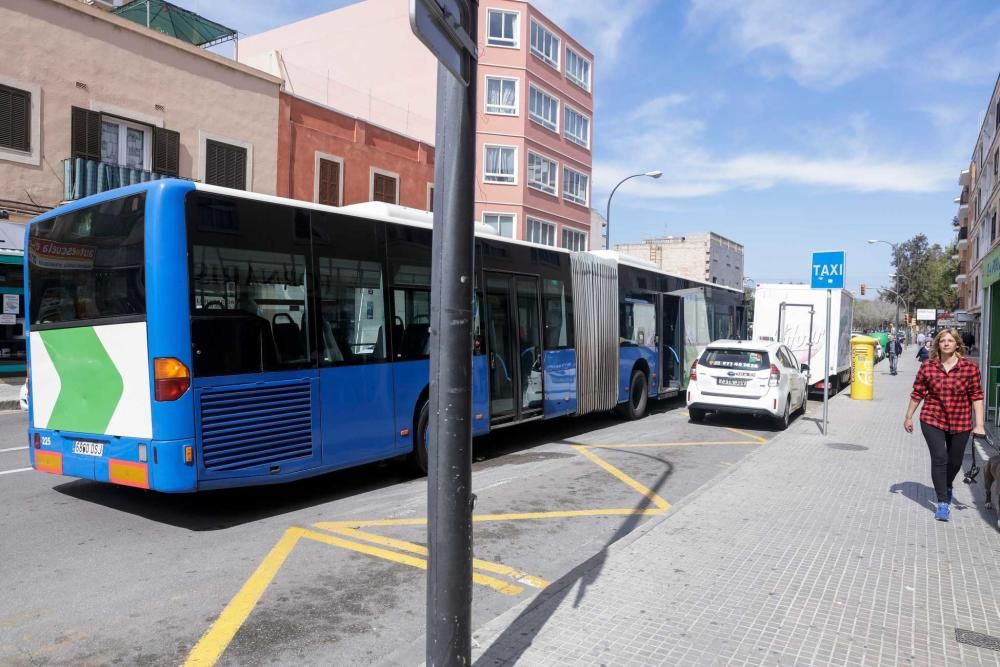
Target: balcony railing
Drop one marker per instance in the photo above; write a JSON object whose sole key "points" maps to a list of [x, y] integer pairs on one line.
{"points": [[82, 178]]}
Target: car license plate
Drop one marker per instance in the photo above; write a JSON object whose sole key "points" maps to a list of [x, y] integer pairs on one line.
{"points": [[732, 382], [88, 448]]}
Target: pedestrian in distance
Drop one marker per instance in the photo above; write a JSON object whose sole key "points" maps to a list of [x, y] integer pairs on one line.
{"points": [[921, 339], [895, 349], [924, 352], [950, 387]]}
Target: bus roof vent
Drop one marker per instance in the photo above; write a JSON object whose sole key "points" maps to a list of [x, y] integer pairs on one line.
{"points": [[394, 211]]}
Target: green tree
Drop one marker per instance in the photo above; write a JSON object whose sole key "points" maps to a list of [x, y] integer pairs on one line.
{"points": [[926, 274]]}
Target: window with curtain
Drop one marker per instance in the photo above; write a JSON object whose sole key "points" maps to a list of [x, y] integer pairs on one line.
{"points": [[502, 223], [575, 186], [577, 127], [542, 173], [500, 164], [544, 44], [543, 109], [501, 95], [577, 69], [543, 233]]}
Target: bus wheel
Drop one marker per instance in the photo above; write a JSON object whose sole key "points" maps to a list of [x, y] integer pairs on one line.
{"points": [[418, 457], [638, 388]]}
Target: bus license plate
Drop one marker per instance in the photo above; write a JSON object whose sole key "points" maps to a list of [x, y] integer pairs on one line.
{"points": [[88, 448], [732, 382]]}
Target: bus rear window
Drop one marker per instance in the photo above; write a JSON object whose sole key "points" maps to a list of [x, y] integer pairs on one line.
{"points": [[88, 264], [741, 360]]}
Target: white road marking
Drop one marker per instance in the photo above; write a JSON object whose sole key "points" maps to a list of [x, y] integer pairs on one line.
{"points": [[13, 449], [8, 472]]}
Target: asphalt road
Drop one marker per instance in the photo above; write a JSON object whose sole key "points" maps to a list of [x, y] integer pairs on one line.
{"points": [[326, 571]]}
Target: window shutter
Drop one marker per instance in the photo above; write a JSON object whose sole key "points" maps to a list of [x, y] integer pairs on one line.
{"points": [[85, 138], [329, 183], [15, 118], [225, 165], [166, 151]]}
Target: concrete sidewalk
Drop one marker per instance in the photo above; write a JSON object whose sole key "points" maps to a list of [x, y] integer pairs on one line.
{"points": [[812, 551], [10, 391]]}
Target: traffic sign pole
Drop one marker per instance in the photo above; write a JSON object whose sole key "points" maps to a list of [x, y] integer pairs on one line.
{"points": [[828, 269], [826, 365]]}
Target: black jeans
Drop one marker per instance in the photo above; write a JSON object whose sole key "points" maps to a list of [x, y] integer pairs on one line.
{"points": [[947, 451]]}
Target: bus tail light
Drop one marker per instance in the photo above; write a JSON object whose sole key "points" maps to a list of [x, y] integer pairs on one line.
{"points": [[694, 370], [171, 378]]}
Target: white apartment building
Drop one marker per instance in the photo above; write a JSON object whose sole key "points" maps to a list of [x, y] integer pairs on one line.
{"points": [[704, 256]]}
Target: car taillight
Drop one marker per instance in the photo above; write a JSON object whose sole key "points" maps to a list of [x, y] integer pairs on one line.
{"points": [[171, 378], [694, 370], [775, 378]]}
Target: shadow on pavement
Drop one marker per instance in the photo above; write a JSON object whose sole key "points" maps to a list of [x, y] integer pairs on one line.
{"points": [[921, 494], [508, 647], [222, 509]]}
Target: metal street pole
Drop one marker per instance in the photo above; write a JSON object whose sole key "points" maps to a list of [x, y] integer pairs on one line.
{"points": [[607, 216], [826, 362], [449, 462]]}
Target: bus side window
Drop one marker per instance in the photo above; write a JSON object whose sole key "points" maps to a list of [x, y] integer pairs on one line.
{"points": [[557, 309]]}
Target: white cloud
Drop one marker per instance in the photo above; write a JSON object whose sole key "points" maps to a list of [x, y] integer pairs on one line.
{"points": [[599, 25], [664, 137], [816, 42]]}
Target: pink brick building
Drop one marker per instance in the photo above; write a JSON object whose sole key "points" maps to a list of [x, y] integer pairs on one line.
{"points": [[535, 100]]}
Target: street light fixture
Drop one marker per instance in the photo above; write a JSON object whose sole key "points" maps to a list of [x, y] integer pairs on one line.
{"points": [[895, 254], [607, 218]]}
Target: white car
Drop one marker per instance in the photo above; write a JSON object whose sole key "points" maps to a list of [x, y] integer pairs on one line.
{"points": [[747, 377]]}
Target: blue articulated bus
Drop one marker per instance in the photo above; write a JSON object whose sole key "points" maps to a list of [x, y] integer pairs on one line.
{"points": [[186, 337]]}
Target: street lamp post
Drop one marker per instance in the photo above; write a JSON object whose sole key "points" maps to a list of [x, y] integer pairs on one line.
{"points": [[895, 255], [607, 217]]}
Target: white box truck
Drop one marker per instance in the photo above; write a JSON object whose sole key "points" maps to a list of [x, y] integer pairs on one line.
{"points": [[796, 316]]}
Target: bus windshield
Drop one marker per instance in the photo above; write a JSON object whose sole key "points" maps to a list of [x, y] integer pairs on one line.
{"points": [[88, 264]]}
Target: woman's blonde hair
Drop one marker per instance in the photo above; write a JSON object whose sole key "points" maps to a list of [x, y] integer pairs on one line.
{"points": [[959, 344]]}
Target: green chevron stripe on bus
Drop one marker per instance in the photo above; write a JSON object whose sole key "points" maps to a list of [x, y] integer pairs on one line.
{"points": [[92, 380]]}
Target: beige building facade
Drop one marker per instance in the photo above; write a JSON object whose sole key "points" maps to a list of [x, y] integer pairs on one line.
{"points": [[705, 256], [98, 101]]}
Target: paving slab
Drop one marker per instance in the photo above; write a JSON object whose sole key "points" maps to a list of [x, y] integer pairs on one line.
{"points": [[814, 550]]}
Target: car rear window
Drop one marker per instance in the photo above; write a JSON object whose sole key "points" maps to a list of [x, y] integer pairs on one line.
{"points": [[747, 360]]}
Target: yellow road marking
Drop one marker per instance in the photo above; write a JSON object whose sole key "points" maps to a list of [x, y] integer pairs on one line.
{"points": [[514, 516], [496, 584], [657, 500], [673, 444], [412, 547], [215, 640], [749, 435]]}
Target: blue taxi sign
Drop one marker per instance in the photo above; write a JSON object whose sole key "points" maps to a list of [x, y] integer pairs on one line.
{"points": [[827, 269]]}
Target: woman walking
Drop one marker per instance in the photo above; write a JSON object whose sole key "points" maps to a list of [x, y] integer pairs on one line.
{"points": [[950, 387]]}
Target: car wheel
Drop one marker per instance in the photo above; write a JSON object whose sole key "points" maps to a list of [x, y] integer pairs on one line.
{"points": [[418, 457], [635, 406], [696, 415], [782, 422]]}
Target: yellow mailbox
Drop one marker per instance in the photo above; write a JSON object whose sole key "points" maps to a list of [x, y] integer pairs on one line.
{"points": [[862, 367]]}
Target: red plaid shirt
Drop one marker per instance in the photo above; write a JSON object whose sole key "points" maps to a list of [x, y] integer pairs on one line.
{"points": [[948, 395]]}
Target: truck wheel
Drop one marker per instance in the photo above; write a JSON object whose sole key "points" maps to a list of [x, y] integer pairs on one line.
{"points": [[635, 406], [418, 457]]}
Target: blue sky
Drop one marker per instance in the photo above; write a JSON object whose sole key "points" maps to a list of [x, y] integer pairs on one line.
{"points": [[787, 125]]}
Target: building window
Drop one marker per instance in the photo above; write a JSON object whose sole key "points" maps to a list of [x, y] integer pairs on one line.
{"points": [[329, 181], [577, 69], [430, 197], [543, 109], [542, 173], [225, 164], [385, 187], [544, 44], [577, 127], [502, 223], [543, 233], [575, 186], [574, 240], [125, 143], [500, 164], [502, 28], [15, 119], [501, 96], [996, 163]]}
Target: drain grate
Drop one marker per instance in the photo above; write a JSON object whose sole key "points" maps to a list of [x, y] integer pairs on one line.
{"points": [[977, 639], [846, 446]]}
